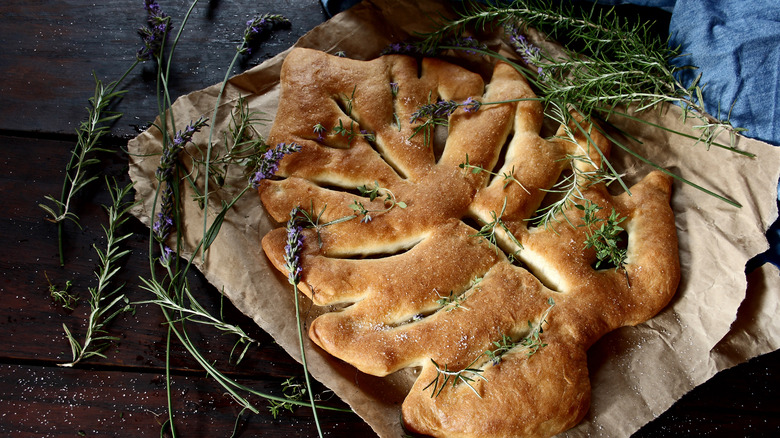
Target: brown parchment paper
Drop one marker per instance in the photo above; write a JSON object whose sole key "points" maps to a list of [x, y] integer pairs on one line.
{"points": [[718, 318]]}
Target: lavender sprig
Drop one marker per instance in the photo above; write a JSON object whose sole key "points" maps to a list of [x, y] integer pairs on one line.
{"points": [[164, 173], [155, 34], [531, 54], [171, 149], [269, 163], [420, 49], [293, 265], [259, 27], [293, 248], [254, 29], [439, 110]]}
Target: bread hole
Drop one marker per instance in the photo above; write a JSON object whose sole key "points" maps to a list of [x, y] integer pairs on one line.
{"points": [[376, 144], [378, 250], [439, 143], [454, 300], [502, 240], [500, 162]]}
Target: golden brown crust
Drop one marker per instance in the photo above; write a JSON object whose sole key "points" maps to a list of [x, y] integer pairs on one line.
{"points": [[422, 287]]}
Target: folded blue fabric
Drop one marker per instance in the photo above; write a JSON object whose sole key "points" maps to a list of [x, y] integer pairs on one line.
{"points": [[736, 47]]}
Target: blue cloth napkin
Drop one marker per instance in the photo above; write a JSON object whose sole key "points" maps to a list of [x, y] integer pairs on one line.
{"points": [[736, 46]]}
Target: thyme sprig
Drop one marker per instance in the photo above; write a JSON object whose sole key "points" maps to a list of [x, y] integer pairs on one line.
{"points": [[244, 145], [605, 239], [104, 303], [293, 392], [509, 177], [350, 133], [372, 193], [452, 302]]}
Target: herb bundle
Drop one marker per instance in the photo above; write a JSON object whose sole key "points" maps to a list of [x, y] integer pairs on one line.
{"points": [[611, 68], [167, 280]]}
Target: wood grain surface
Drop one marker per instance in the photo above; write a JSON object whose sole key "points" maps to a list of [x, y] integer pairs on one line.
{"points": [[50, 51]]}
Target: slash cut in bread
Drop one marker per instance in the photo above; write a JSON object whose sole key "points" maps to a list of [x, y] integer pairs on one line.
{"points": [[419, 285]]}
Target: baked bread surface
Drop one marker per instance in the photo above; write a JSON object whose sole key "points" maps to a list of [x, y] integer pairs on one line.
{"points": [[419, 286]]}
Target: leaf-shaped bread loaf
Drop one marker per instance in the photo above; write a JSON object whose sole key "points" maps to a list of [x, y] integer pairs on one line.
{"points": [[420, 286]]}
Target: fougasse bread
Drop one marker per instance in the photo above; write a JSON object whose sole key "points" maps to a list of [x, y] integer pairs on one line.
{"points": [[441, 267]]}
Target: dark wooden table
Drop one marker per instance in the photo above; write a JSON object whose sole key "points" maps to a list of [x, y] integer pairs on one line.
{"points": [[50, 50]]}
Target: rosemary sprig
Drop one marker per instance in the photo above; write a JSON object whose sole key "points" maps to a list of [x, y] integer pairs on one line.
{"points": [[467, 375], [189, 309], [104, 304], [584, 173], [531, 343], [88, 141]]}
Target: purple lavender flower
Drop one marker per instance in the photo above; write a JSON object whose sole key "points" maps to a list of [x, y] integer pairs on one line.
{"points": [[164, 222], [411, 49], [154, 35], [292, 251], [166, 256], [320, 131], [259, 27], [531, 54], [471, 105], [439, 110], [269, 162], [394, 88], [468, 43], [171, 149]]}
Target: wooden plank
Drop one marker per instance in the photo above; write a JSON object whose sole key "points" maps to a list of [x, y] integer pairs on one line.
{"points": [[51, 49], [38, 401], [32, 321]]}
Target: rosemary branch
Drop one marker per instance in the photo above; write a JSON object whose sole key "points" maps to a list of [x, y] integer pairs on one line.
{"points": [[89, 135], [104, 304], [531, 344]]}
